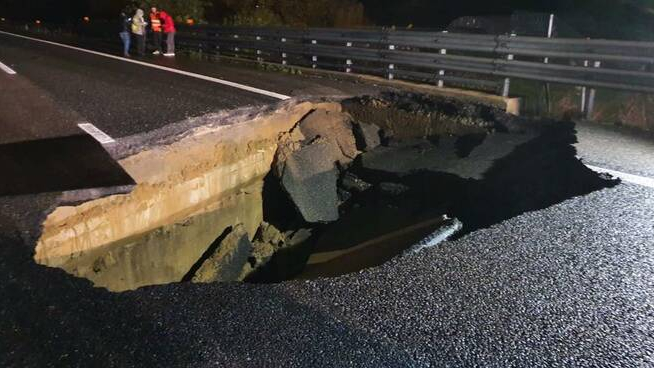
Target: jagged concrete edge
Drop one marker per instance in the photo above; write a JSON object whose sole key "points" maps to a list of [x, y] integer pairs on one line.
{"points": [[176, 131], [73, 197]]}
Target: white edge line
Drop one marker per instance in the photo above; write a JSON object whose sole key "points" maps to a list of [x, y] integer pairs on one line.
{"points": [[96, 133], [172, 70], [7, 69], [630, 178]]}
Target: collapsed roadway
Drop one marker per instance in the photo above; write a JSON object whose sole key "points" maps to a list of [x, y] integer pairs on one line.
{"points": [[552, 264]]}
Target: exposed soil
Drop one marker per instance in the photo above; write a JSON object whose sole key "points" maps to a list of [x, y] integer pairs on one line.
{"points": [[344, 187], [402, 204]]}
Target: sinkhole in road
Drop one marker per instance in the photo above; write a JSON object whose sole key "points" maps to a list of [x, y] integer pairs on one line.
{"points": [[316, 189]]}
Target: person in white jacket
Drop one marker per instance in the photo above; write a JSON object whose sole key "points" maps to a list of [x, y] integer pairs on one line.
{"points": [[138, 30]]}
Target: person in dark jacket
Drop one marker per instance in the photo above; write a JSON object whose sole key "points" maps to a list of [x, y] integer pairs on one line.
{"points": [[123, 32], [169, 30]]}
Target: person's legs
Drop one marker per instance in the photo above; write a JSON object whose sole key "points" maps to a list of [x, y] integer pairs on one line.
{"points": [[156, 38], [128, 43], [170, 43], [125, 37], [135, 41], [159, 41], [140, 44]]}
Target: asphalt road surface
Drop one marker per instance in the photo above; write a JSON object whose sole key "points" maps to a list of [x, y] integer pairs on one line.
{"points": [[123, 99], [569, 285]]}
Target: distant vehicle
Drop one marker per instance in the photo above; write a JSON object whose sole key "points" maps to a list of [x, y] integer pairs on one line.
{"points": [[481, 25], [520, 23]]}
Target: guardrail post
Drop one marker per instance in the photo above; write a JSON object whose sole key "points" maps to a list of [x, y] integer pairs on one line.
{"points": [[236, 49], [583, 92], [214, 44], [259, 58], [314, 58], [507, 81], [441, 72], [391, 67], [548, 99], [550, 29], [591, 97], [348, 62], [283, 53]]}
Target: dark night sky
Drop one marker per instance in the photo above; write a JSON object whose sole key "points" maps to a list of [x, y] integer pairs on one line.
{"points": [[595, 18], [629, 19], [58, 10], [427, 13], [433, 12]]}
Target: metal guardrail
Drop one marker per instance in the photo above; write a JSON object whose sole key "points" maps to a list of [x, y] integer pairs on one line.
{"points": [[479, 61], [485, 62]]}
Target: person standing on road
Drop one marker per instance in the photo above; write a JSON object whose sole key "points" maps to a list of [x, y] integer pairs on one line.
{"points": [[155, 25], [138, 29], [124, 28], [169, 30]]}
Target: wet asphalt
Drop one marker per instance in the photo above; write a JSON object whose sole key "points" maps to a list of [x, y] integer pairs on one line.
{"points": [[119, 99], [568, 285], [619, 148], [124, 99]]}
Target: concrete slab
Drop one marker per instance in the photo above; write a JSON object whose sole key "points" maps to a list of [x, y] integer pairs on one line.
{"points": [[310, 180], [367, 136], [334, 127], [229, 259]]}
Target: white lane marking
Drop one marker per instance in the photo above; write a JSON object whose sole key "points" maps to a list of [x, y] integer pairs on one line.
{"points": [[96, 133], [172, 70], [7, 69], [630, 178]]}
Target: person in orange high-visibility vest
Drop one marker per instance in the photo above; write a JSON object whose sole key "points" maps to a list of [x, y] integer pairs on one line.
{"points": [[155, 24]]}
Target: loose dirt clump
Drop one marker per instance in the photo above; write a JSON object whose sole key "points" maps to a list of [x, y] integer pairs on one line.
{"points": [[409, 115]]}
